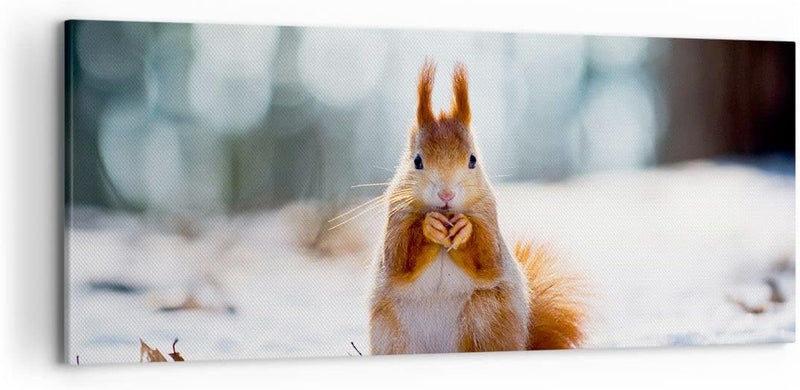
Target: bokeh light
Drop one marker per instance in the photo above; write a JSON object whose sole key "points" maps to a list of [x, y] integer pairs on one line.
{"points": [[123, 126], [620, 124], [162, 166], [611, 53], [247, 114], [341, 67], [112, 54], [230, 80]]}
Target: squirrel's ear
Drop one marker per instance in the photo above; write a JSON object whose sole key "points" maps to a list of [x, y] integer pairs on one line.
{"points": [[460, 109], [424, 90]]}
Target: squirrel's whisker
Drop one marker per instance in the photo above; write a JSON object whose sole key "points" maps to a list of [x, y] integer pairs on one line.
{"points": [[362, 212], [399, 205], [398, 208], [400, 202], [400, 195], [371, 185], [397, 195], [403, 191], [373, 200]]}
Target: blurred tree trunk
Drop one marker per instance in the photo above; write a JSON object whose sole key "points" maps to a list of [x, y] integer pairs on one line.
{"points": [[728, 97]]}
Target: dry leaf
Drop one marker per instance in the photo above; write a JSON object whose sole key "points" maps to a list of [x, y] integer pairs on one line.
{"points": [[189, 304], [153, 355]]}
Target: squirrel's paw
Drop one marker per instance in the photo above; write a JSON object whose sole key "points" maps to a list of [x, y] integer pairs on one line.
{"points": [[460, 232], [434, 228]]}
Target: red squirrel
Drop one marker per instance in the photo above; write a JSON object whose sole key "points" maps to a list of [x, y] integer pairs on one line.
{"points": [[446, 280]]}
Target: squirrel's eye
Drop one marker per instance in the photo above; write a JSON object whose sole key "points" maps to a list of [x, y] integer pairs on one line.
{"points": [[472, 161], [418, 162]]}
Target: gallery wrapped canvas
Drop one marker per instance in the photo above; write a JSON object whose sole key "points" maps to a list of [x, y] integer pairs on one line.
{"points": [[248, 192]]}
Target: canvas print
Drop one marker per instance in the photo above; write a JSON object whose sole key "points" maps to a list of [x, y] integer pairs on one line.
{"points": [[249, 192]]}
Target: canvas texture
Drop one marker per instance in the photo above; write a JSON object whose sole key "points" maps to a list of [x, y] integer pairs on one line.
{"points": [[253, 192]]}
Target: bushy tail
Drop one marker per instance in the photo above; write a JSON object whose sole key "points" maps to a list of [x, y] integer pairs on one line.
{"points": [[557, 312]]}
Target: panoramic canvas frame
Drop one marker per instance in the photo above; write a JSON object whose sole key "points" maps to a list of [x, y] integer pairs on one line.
{"points": [[243, 192]]}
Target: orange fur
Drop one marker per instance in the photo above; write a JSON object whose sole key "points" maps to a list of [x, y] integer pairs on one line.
{"points": [[505, 306], [460, 110], [556, 317], [424, 91], [446, 142], [406, 251], [479, 257], [489, 324], [383, 316]]}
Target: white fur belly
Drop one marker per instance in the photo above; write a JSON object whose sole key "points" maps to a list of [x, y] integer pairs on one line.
{"points": [[429, 308]]}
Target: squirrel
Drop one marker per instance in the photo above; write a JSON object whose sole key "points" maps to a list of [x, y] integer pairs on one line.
{"points": [[446, 281]]}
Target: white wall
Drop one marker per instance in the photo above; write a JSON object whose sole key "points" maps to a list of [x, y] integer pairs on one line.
{"points": [[30, 110]]}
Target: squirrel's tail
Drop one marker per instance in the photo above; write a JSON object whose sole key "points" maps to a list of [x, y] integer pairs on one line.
{"points": [[557, 313]]}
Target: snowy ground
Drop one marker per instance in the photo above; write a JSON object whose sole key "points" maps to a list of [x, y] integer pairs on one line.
{"points": [[666, 253]]}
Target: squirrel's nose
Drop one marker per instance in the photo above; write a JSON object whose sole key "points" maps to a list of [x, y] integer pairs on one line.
{"points": [[446, 195]]}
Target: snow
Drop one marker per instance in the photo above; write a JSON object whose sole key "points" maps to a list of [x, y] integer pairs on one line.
{"points": [[665, 254]]}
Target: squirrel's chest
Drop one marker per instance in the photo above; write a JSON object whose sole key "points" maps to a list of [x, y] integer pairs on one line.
{"points": [[429, 308], [440, 279]]}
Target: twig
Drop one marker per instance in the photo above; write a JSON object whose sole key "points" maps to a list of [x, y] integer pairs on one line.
{"points": [[356, 348], [175, 355]]}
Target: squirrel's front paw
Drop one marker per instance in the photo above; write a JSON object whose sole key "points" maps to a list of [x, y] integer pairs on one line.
{"points": [[435, 230], [460, 232]]}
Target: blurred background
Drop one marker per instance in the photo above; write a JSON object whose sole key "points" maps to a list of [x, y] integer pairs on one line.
{"points": [[203, 119], [205, 164]]}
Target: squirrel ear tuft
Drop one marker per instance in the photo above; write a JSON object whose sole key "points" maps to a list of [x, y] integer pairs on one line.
{"points": [[424, 91], [460, 109]]}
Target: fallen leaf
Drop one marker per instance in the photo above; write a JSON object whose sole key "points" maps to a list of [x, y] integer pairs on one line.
{"points": [[175, 355], [153, 355]]}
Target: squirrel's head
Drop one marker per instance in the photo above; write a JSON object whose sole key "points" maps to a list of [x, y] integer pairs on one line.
{"points": [[441, 168]]}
